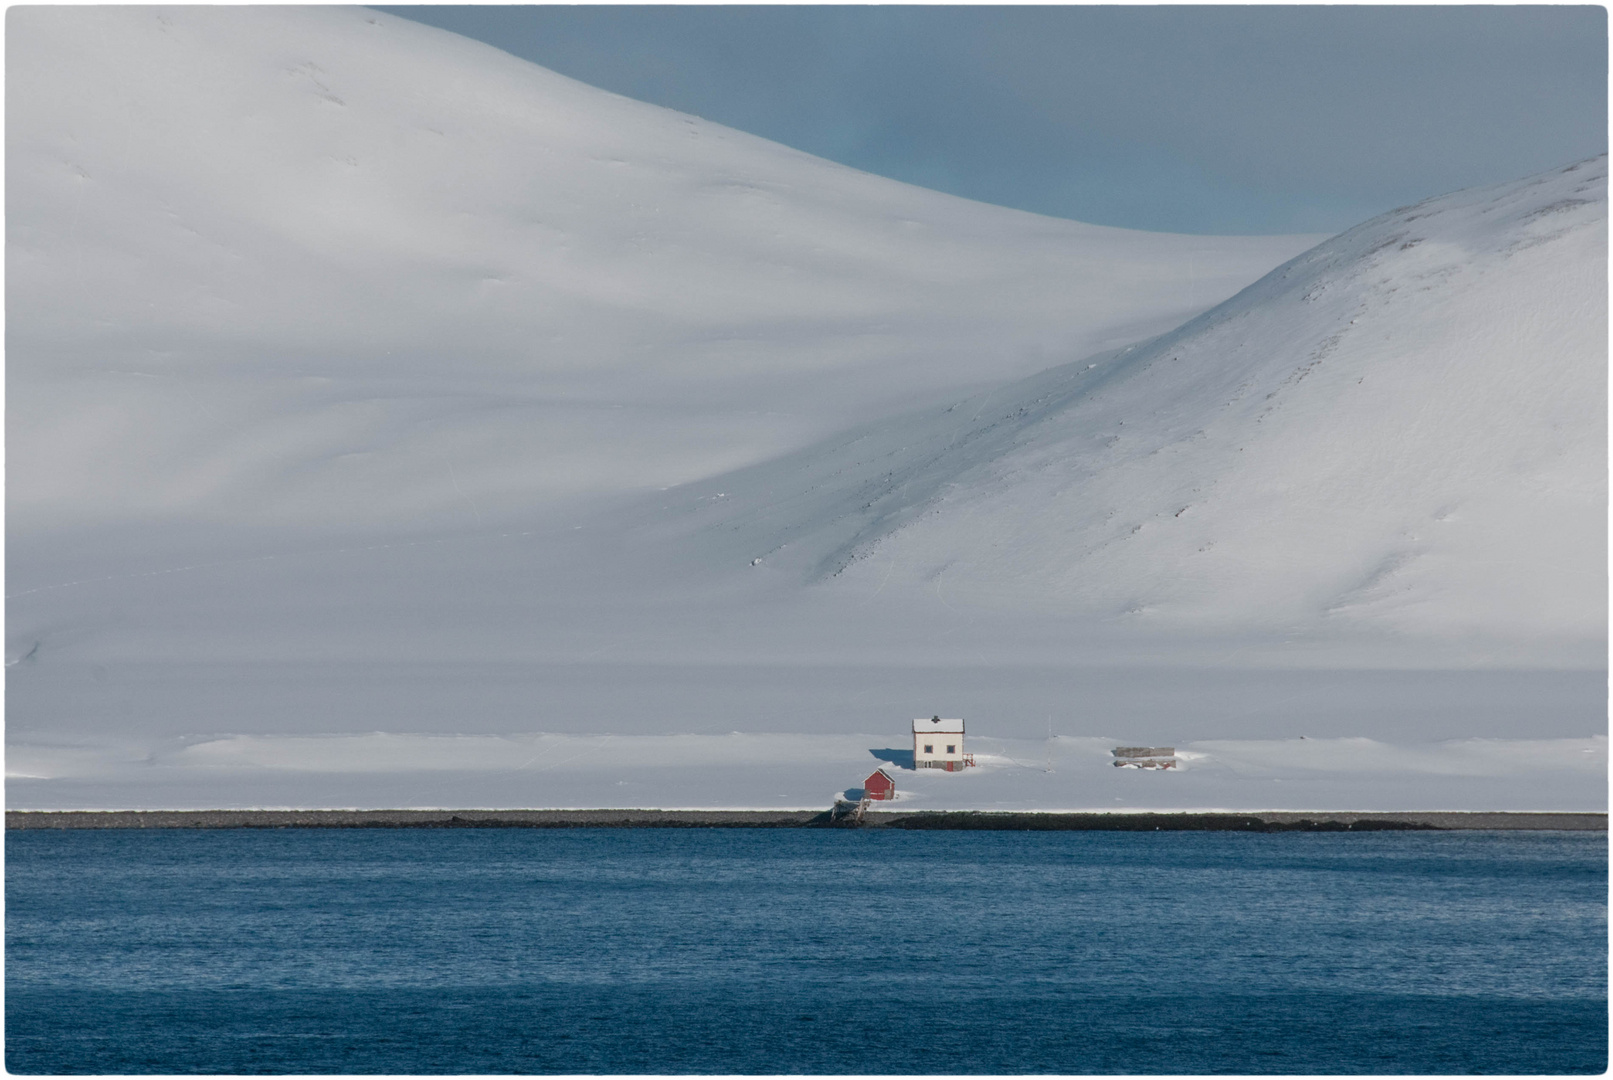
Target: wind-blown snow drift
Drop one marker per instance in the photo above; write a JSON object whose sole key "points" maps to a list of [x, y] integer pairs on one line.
{"points": [[1402, 429]]}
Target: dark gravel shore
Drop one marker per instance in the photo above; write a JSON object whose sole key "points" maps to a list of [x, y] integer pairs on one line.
{"points": [[1259, 821]]}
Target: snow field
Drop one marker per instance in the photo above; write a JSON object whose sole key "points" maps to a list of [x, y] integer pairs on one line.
{"points": [[780, 771], [376, 397], [325, 269], [1402, 430]]}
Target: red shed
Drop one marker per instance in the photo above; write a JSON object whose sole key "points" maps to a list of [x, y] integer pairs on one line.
{"points": [[879, 786]]}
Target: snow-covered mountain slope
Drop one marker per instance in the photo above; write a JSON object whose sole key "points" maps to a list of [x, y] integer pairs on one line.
{"points": [[328, 269], [1403, 429], [365, 379]]}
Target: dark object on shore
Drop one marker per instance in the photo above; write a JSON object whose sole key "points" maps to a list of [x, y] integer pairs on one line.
{"points": [[1258, 821], [1155, 823], [844, 814]]}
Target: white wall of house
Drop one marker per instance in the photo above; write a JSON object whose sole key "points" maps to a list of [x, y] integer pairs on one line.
{"points": [[937, 741]]}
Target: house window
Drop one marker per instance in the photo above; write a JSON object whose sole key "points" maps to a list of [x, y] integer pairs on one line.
{"points": [[929, 748], [952, 748]]}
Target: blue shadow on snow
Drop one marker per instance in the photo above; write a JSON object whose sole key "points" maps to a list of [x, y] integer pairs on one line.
{"points": [[902, 759]]}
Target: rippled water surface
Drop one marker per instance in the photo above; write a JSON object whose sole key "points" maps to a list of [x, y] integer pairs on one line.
{"points": [[771, 951]]}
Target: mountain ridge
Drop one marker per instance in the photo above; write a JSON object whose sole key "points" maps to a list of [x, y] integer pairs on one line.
{"points": [[332, 270], [1443, 266]]}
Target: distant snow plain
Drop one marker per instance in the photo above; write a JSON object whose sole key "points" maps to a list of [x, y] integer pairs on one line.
{"points": [[392, 422]]}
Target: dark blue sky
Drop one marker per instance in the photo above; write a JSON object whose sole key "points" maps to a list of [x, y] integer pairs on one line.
{"points": [[1188, 119]]}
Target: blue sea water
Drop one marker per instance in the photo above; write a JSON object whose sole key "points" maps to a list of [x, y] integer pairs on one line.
{"points": [[817, 951]]}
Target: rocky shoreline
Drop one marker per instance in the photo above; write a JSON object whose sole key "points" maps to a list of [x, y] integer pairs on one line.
{"points": [[921, 820]]}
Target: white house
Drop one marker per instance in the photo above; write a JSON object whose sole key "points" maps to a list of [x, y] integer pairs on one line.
{"points": [[938, 744]]}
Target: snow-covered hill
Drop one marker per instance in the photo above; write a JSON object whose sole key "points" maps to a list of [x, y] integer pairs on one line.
{"points": [[363, 379], [320, 268], [1403, 429]]}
